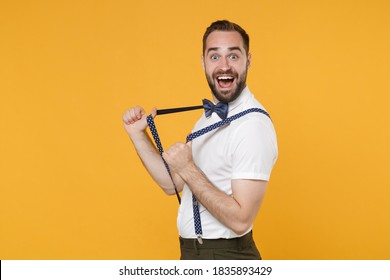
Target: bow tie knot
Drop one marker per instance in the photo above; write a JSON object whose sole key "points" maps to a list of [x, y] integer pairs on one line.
{"points": [[221, 109]]}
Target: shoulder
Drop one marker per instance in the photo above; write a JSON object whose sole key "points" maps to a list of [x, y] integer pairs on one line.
{"points": [[253, 130], [254, 117]]}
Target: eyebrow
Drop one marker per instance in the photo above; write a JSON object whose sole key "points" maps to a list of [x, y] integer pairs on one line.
{"points": [[230, 49]]}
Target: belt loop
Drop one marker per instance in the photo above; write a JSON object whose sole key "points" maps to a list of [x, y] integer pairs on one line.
{"points": [[195, 241]]}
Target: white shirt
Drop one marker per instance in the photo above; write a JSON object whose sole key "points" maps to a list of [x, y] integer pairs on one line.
{"points": [[244, 149]]}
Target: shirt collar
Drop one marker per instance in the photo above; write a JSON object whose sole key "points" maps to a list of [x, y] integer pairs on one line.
{"points": [[241, 99]]}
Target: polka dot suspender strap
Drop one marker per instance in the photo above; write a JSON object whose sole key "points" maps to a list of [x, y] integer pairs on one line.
{"points": [[153, 130], [209, 128]]}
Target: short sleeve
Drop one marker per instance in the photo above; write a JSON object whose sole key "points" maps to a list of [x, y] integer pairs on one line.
{"points": [[254, 149]]}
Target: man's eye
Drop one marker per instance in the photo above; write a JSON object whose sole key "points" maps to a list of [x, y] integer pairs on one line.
{"points": [[214, 57], [233, 57]]}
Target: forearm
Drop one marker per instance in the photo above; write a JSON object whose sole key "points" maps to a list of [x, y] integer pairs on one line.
{"points": [[153, 163]]}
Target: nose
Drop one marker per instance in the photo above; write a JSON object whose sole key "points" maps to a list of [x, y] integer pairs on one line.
{"points": [[224, 64]]}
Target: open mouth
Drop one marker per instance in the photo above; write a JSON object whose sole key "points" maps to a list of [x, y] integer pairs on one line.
{"points": [[225, 81]]}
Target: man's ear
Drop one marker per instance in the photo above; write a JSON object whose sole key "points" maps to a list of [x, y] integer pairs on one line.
{"points": [[249, 59], [202, 58]]}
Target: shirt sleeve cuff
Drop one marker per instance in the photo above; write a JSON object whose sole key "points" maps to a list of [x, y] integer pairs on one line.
{"points": [[251, 176]]}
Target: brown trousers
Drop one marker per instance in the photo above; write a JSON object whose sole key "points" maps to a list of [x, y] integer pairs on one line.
{"points": [[241, 248]]}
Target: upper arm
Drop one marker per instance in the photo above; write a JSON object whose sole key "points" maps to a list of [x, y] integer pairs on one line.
{"points": [[179, 183], [248, 194]]}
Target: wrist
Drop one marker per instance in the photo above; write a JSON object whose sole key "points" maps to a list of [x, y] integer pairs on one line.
{"points": [[138, 135], [189, 172]]}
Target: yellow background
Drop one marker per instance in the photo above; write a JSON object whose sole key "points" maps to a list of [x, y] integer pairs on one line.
{"points": [[71, 185]]}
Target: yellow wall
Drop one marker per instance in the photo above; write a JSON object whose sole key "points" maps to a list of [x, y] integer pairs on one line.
{"points": [[72, 187]]}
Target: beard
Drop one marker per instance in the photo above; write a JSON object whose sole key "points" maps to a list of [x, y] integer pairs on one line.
{"points": [[226, 96]]}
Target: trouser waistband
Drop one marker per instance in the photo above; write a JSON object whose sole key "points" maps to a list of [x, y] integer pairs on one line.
{"points": [[221, 243]]}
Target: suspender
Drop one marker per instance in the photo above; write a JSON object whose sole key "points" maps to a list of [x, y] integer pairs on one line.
{"points": [[156, 138], [196, 134], [192, 136]]}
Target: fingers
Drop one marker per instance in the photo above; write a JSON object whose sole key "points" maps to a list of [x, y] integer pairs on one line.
{"points": [[135, 114], [178, 155], [132, 115], [154, 112], [138, 112]]}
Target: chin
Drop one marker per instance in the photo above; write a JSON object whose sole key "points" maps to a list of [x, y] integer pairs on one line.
{"points": [[227, 95]]}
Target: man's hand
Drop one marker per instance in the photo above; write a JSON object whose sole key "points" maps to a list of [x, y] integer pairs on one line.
{"points": [[178, 156], [134, 120]]}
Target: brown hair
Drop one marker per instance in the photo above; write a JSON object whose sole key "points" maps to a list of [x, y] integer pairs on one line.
{"points": [[225, 25]]}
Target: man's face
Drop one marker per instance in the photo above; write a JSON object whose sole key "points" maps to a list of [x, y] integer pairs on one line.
{"points": [[226, 64]]}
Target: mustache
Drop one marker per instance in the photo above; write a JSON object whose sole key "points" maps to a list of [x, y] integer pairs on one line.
{"points": [[225, 72]]}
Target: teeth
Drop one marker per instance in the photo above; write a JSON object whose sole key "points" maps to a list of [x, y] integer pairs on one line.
{"points": [[225, 78]]}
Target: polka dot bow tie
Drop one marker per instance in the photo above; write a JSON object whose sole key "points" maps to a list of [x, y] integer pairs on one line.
{"points": [[221, 109]]}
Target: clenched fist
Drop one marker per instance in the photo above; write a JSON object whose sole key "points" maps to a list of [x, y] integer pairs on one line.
{"points": [[178, 156], [134, 120]]}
